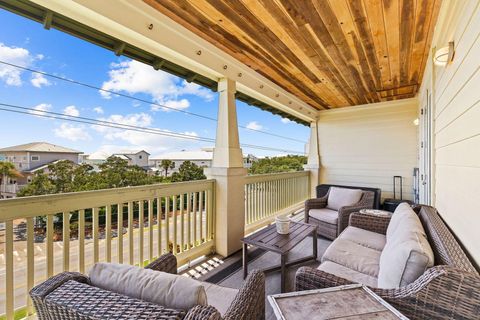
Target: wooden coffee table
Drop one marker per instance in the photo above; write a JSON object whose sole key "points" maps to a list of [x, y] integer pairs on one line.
{"points": [[344, 302], [268, 239]]}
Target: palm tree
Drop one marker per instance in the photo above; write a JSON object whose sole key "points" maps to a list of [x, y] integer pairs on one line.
{"points": [[7, 170], [166, 165]]}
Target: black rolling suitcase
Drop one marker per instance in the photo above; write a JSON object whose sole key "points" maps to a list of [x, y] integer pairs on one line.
{"points": [[392, 204]]}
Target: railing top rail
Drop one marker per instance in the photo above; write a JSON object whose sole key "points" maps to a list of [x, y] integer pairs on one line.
{"points": [[274, 176], [18, 208]]}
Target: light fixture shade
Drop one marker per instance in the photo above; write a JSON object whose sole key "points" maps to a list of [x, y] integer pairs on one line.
{"points": [[444, 55]]}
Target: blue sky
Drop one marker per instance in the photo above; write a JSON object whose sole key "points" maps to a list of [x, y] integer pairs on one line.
{"points": [[26, 43]]}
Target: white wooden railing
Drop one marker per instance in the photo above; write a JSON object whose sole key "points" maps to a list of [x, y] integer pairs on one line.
{"points": [[45, 235], [270, 195]]}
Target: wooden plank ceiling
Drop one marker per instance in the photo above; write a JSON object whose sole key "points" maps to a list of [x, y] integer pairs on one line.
{"points": [[329, 53]]}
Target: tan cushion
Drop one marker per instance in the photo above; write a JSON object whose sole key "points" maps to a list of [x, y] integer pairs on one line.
{"points": [[165, 289], [406, 217], [325, 215], [341, 197], [364, 237], [407, 253], [347, 273], [353, 256], [219, 297]]}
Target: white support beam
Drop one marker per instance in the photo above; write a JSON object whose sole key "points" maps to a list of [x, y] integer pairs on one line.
{"points": [[138, 24], [229, 174]]}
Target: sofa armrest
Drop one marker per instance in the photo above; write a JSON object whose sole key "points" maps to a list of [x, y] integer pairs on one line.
{"points": [[442, 292], [40, 291], [166, 263], [317, 203], [374, 223], [203, 313], [307, 278], [366, 202], [249, 303]]}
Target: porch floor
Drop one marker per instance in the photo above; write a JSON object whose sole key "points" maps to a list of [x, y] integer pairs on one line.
{"points": [[230, 274]]}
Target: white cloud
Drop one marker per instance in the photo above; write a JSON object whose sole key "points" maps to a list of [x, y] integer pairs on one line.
{"points": [[71, 111], [128, 139], [71, 132], [135, 77], [254, 125], [41, 108], [172, 104], [285, 120], [19, 56], [98, 110], [38, 80]]}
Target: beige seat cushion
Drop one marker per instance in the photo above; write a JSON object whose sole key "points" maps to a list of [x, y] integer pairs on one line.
{"points": [[341, 197], [219, 297], [365, 238], [353, 256], [407, 253], [165, 289], [325, 215], [347, 273]]}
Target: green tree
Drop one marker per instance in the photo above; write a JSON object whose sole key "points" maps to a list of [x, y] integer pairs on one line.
{"points": [[7, 170], [167, 165], [278, 164], [41, 184], [188, 171]]}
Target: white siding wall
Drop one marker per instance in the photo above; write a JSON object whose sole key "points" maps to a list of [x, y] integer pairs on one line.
{"points": [[456, 97], [368, 145]]}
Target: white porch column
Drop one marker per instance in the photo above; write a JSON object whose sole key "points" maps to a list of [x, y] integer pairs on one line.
{"points": [[313, 161], [227, 169]]}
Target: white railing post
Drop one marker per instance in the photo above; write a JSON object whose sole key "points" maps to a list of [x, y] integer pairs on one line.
{"points": [[227, 169], [313, 160]]}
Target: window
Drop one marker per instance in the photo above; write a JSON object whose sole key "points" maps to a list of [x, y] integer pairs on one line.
{"points": [[139, 157], [35, 158]]}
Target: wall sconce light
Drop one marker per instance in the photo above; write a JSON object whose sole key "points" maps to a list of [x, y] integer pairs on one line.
{"points": [[444, 55]]}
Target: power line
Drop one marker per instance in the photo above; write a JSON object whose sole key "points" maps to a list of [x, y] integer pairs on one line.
{"points": [[140, 99], [104, 123]]}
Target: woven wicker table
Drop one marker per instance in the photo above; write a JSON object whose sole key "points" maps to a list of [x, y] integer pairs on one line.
{"points": [[268, 239], [344, 302]]}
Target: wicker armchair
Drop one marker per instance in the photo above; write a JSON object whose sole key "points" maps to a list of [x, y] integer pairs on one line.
{"points": [[69, 295], [329, 230], [449, 290]]}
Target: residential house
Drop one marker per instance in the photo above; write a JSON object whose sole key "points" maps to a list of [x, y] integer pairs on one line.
{"points": [[135, 157], [30, 158]]}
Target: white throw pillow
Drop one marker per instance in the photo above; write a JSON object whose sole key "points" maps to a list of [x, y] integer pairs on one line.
{"points": [[165, 289], [341, 197]]}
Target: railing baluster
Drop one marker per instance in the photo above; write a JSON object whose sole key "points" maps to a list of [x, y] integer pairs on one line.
{"points": [[189, 220], [167, 223], [141, 217], [120, 232], [108, 233], [9, 271], [159, 226], [200, 209], [30, 262], [66, 241], [150, 230], [210, 218], [175, 226], [95, 227], [195, 219], [182, 222], [50, 245], [130, 233], [81, 241]]}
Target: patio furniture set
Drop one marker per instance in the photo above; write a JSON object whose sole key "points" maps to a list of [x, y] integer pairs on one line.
{"points": [[379, 265]]}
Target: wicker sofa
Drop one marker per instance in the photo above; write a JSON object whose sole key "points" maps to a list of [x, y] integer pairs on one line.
{"points": [[448, 290], [70, 295], [330, 223]]}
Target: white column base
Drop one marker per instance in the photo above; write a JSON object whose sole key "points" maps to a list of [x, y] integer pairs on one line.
{"points": [[314, 177], [229, 208]]}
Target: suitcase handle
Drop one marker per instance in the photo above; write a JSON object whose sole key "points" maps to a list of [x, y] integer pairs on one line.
{"points": [[395, 189]]}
